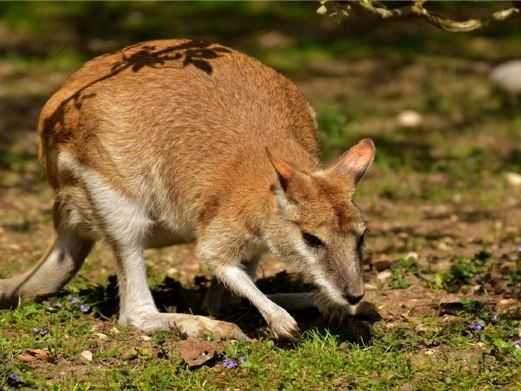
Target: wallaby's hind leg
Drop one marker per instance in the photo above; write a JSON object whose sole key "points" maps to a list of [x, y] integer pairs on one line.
{"points": [[58, 265], [137, 307], [125, 225]]}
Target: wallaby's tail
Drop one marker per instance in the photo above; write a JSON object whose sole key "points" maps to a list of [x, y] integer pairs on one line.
{"points": [[58, 265]]}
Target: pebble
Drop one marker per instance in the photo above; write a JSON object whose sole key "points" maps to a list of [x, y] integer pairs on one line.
{"points": [[412, 256], [115, 330], [457, 197], [507, 302], [403, 235], [322, 10], [409, 119], [86, 355], [476, 288], [449, 318], [513, 179], [102, 336], [442, 246], [382, 276], [507, 76]]}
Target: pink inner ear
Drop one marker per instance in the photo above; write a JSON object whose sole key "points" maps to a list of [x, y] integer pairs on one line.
{"points": [[358, 158]]}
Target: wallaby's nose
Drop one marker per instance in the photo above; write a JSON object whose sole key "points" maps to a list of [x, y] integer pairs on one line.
{"points": [[353, 299]]}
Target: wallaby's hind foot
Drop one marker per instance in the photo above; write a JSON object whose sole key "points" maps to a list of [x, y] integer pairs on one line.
{"points": [[188, 325], [58, 265]]}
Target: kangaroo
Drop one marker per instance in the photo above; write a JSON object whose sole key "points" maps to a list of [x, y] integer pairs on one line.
{"points": [[177, 141]]}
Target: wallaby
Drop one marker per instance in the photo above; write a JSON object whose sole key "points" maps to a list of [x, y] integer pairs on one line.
{"points": [[175, 141]]}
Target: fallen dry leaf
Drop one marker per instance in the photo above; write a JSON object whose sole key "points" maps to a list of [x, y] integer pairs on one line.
{"points": [[195, 352], [35, 355]]}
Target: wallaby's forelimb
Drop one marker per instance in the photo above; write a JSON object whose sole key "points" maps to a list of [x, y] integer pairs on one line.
{"points": [[295, 301], [218, 296], [239, 282], [57, 266]]}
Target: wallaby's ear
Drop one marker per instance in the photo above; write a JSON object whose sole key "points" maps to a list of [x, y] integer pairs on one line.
{"points": [[284, 171], [356, 161]]}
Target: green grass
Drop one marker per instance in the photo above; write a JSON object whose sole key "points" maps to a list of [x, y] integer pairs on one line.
{"points": [[438, 356]]}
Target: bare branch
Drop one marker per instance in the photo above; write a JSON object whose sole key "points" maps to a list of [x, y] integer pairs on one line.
{"points": [[339, 9]]}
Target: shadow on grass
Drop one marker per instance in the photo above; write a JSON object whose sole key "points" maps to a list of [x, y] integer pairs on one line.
{"points": [[171, 296]]}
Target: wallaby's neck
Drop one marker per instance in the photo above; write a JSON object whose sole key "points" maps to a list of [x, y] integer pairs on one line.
{"points": [[250, 196], [295, 154], [255, 171]]}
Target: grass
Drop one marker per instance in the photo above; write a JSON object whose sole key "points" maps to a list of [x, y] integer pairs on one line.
{"points": [[439, 355]]}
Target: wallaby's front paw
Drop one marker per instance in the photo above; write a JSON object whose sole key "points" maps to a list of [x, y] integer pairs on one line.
{"points": [[367, 311], [284, 326], [336, 315]]}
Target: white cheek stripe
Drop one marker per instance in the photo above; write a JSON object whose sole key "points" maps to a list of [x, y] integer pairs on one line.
{"points": [[311, 268], [318, 276]]}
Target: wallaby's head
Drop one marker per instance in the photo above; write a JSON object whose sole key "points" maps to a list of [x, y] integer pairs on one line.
{"points": [[318, 226]]}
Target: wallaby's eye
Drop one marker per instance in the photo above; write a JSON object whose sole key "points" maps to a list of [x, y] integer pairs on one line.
{"points": [[361, 240], [312, 240]]}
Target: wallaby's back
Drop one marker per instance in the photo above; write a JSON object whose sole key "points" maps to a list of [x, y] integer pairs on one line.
{"points": [[176, 114]]}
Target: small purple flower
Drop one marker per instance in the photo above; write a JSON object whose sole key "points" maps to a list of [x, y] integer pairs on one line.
{"points": [[519, 249], [230, 364], [517, 344], [243, 359], [14, 376], [476, 326], [42, 331], [75, 300], [58, 304], [477, 277], [84, 308]]}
